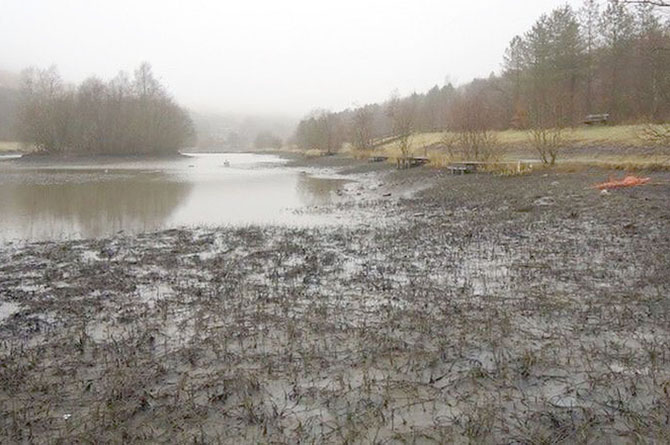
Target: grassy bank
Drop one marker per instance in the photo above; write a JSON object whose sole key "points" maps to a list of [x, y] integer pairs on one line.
{"points": [[618, 147], [584, 136], [9, 147]]}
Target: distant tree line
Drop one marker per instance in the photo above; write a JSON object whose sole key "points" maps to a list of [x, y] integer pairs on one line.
{"points": [[123, 116], [9, 99], [611, 57], [239, 131], [266, 139], [322, 130]]}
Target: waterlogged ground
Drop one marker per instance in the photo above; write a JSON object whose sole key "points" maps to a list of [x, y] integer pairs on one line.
{"points": [[482, 309]]}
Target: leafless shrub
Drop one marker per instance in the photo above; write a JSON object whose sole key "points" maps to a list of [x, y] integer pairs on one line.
{"points": [[322, 130], [361, 128], [472, 138], [473, 145], [403, 115], [655, 134], [547, 142]]}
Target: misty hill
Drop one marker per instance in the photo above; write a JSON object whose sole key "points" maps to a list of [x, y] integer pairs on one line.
{"points": [[238, 132]]}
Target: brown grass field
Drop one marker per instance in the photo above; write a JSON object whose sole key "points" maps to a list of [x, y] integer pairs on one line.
{"points": [[6, 146], [617, 147]]}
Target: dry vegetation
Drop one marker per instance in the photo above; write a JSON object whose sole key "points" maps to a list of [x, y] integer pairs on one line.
{"points": [[9, 146], [620, 147], [535, 314], [585, 136]]}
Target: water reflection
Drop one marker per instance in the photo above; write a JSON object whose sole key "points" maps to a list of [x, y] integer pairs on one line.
{"points": [[317, 191], [83, 208], [83, 200]]}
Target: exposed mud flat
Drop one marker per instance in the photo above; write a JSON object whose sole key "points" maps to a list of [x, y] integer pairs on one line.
{"points": [[455, 309]]}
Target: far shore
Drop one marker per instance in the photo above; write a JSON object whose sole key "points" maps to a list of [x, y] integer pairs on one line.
{"points": [[38, 159], [619, 147]]}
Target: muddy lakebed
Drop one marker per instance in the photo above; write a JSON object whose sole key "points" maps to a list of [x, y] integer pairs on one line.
{"points": [[448, 309]]}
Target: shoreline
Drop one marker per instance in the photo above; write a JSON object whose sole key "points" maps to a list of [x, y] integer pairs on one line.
{"points": [[475, 308], [83, 157]]}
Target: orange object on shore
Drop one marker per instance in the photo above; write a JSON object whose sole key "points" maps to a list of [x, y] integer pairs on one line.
{"points": [[628, 181]]}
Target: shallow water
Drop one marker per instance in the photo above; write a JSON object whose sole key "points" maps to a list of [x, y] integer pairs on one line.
{"points": [[7, 309], [85, 199]]}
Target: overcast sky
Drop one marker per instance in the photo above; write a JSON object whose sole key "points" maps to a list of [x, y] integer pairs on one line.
{"points": [[269, 56]]}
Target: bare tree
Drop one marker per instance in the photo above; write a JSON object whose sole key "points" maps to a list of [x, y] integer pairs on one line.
{"points": [[655, 134], [402, 115], [471, 138], [362, 134], [472, 144], [145, 83], [118, 117], [547, 142], [322, 130], [547, 132], [331, 131], [589, 16], [41, 94], [658, 3]]}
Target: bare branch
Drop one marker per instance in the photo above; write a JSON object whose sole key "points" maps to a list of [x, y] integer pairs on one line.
{"points": [[658, 3]]}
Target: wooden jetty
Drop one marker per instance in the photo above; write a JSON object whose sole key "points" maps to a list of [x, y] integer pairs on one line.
{"points": [[464, 167], [411, 161], [377, 158]]}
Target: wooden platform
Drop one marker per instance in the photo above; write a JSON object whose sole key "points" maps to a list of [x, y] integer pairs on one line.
{"points": [[411, 161], [461, 168], [458, 169], [377, 158]]}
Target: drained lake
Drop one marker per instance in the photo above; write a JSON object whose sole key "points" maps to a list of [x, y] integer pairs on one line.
{"points": [[41, 201]]}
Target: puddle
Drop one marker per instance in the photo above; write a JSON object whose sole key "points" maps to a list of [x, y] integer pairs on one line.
{"points": [[8, 309]]}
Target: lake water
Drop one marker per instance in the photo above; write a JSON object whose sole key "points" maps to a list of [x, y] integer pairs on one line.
{"points": [[85, 200]]}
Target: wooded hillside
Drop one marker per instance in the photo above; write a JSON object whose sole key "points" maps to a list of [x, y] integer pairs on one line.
{"points": [[609, 58]]}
